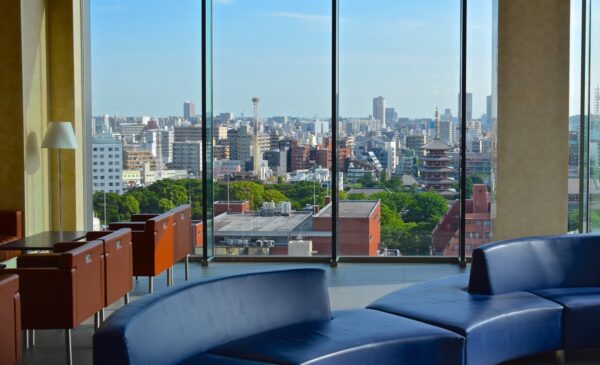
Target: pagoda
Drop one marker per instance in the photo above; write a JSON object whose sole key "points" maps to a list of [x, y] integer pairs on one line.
{"points": [[435, 169]]}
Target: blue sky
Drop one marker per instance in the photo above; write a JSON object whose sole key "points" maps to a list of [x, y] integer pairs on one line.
{"points": [[146, 56]]}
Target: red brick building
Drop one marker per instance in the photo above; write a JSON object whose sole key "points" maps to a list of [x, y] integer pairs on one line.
{"points": [[220, 207], [358, 228], [478, 228]]}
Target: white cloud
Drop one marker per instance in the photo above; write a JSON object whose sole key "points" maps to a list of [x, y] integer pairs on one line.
{"points": [[310, 18]]}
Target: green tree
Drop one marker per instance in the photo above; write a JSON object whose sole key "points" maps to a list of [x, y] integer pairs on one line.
{"points": [[247, 190]]}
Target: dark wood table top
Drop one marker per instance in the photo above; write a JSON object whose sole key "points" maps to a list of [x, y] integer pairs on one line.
{"points": [[43, 240]]}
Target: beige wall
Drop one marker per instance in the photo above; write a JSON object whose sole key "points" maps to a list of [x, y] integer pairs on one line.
{"points": [[11, 109], [33, 28], [532, 118], [40, 81]]}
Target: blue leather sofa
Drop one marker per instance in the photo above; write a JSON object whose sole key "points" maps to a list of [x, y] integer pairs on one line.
{"points": [[280, 317], [522, 297]]}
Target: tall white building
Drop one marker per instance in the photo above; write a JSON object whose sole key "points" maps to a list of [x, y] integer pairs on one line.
{"points": [[107, 156], [379, 109]]}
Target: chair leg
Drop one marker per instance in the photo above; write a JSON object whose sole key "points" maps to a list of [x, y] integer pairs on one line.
{"points": [[187, 267], [150, 284], [32, 338], [560, 356], [26, 335], [102, 315], [68, 347], [126, 298], [170, 276], [96, 320]]}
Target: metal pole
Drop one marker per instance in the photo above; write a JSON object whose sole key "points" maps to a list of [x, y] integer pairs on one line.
{"points": [[463, 131], [59, 191], [334, 133]]}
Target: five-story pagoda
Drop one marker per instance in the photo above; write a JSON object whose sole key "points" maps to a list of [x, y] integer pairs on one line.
{"points": [[435, 169]]}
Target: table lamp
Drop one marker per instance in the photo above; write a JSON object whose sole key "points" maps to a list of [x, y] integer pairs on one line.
{"points": [[60, 136]]}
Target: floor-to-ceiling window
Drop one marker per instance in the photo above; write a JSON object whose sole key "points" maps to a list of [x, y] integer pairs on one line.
{"points": [[267, 120], [272, 139], [146, 99], [399, 77], [480, 126]]}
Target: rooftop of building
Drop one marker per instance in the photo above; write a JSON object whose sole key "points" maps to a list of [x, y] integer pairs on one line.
{"points": [[367, 191], [351, 209], [436, 144], [105, 138], [253, 224]]}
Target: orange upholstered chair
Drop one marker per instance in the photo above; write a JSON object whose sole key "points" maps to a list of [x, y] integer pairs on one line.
{"points": [[118, 264], [61, 290], [11, 229], [182, 240], [10, 319], [152, 242]]}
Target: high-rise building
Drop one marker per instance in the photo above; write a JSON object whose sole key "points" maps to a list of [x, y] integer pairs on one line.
{"points": [[488, 110], [189, 110], [469, 111], [240, 142], [188, 133], [379, 109], [188, 156], [134, 159], [107, 155], [167, 137], [415, 142], [390, 116]]}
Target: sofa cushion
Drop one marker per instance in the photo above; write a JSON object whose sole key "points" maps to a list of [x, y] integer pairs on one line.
{"points": [[496, 328], [581, 315], [351, 337], [210, 359]]}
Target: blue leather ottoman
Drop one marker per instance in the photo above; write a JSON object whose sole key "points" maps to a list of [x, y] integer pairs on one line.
{"points": [[496, 327], [360, 336]]}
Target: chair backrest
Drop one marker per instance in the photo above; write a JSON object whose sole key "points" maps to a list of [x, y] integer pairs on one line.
{"points": [[536, 263], [118, 262], [182, 244], [10, 317], [174, 324], [163, 229], [11, 223], [86, 263]]}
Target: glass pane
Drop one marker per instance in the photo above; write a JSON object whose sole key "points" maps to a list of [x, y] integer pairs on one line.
{"points": [[272, 140], [592, 107], [146, 93], [478, 227], [575, 157], [399, 127]]}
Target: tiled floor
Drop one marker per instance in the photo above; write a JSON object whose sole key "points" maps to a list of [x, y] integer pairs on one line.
{"points": [[350, 286]]}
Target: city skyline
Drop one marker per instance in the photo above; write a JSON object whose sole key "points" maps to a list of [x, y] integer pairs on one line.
{"points": [[290, 68]]}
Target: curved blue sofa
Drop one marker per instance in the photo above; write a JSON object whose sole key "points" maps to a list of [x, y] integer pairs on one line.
{"points": [[280, 317], [522, 297]]}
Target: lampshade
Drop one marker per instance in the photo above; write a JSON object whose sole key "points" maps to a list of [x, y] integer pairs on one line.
{"points": [[60, 135]]}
